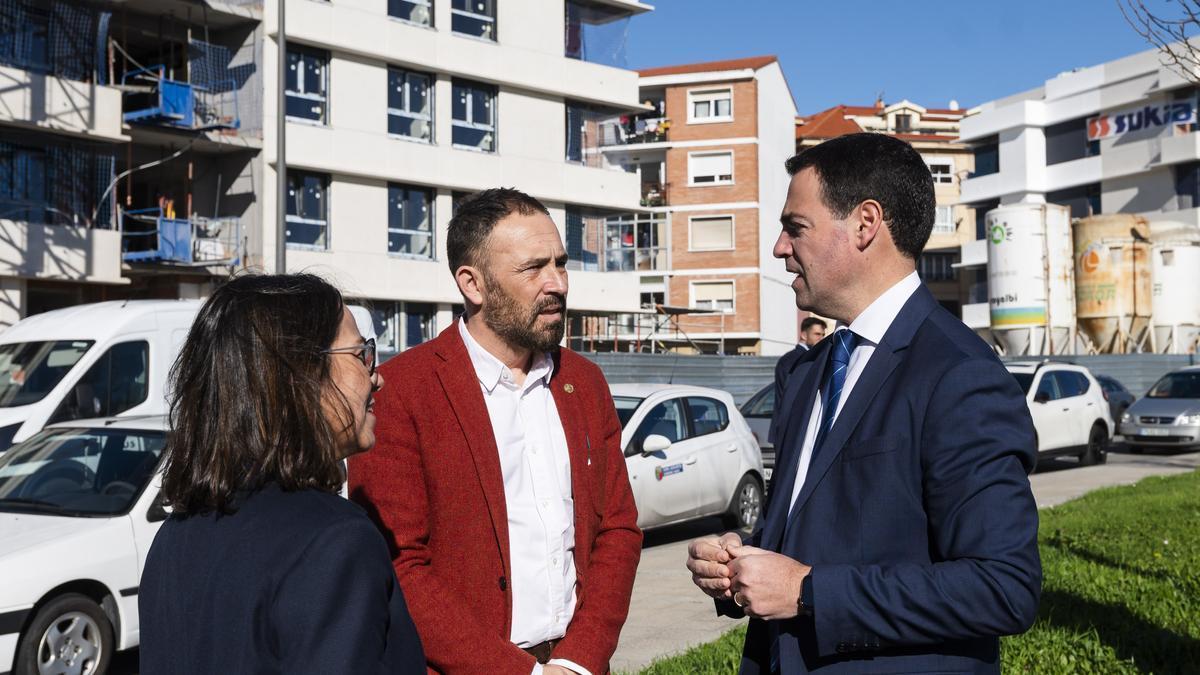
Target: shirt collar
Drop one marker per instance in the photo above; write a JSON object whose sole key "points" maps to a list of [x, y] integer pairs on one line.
{"points": [[875, 320], [491, 371]]}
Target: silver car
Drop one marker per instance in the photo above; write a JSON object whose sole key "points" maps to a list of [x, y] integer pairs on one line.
{"points": [[1168, 416]]}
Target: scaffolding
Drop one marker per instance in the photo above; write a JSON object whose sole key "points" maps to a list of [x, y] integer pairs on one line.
{"points": [[63, 39], [155, 235], [50, 182]]}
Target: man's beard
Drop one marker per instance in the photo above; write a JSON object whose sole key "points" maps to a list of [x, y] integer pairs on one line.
{"points": [[518, 326]]}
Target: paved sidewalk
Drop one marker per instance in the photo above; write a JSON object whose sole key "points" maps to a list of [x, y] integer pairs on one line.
{"points": [[668, 614]]}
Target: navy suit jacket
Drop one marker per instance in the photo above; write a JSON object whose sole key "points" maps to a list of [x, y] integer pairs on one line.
{"points": [[293, 582], [916, 517]]}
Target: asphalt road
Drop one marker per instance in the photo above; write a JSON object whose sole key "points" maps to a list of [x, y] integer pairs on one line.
{"points": [[668, 614]]}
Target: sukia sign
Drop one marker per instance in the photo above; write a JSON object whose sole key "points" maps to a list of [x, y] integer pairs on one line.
{"points": [[1147, 117]]}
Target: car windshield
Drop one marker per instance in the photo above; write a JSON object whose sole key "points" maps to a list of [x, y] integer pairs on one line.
{"points": [[78, 472], [626, 406], [1025, 380], [29, 370], [1177, 385]]}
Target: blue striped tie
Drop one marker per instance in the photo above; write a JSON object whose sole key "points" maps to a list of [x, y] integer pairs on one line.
{"points": [[844, 343]]}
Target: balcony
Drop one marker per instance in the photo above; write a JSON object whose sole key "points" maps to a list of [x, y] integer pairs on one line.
{"points": [[654, 194], [155, 236], [34, 99], [152, 98], [633, 130]]}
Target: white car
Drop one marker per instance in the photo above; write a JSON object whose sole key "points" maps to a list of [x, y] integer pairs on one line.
{"points": [[689, 455], [1069, 409], [79, 507]]}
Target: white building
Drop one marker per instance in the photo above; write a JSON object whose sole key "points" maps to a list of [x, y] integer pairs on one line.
{"points": [[1120, 137], [394, 107]]}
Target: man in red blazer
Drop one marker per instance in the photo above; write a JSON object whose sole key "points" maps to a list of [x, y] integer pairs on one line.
{"points": [[498, 478]]}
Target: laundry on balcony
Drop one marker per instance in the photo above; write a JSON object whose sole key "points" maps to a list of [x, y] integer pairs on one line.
{"points": [[153, 236]]}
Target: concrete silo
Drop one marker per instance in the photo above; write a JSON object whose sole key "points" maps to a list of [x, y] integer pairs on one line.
{"points": [[1030, 278], [1112, 281], [1175, 270]]}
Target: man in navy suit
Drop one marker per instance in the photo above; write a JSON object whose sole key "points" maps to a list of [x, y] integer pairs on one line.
{"points": [[900, 534]]}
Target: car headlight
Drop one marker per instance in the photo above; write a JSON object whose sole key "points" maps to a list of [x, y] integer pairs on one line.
{"points": [[1188, 420], [1126, 417]]}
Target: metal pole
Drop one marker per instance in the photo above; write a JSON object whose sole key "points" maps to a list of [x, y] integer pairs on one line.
{"points": [[280, 145]]}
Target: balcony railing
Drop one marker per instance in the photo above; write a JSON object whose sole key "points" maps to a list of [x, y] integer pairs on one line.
{"points": [[654, 194], [149, 235], [630, 131]]}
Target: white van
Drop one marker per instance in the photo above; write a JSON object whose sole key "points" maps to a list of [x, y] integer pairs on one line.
{"points": [[98, 360]]}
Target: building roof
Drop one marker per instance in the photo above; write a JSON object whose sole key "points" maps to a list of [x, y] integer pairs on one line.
{"points": [[752, 62], [839, 121]]}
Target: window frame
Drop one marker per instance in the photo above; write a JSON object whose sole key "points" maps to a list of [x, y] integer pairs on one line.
{"points": [[322, 97], [430, 96], [952, 226], [717, 181], [941, 161], [710, 95], [326, 189], [713, 282], [636, 438], [431, 200], [493, 20], [464, 124], [428, 4], [61, 411], [713, 216], [691, 421]]}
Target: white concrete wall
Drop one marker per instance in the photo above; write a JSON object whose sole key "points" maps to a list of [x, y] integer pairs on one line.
{"points": [[60, 252], [45, 102], [776, 143]]}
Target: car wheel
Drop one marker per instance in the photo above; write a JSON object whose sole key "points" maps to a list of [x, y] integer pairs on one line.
{"points": [[69, 634], [746, 506], [1097, 447]]}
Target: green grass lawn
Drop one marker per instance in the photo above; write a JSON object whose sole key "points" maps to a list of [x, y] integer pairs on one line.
{"points": [[1121, 591]]}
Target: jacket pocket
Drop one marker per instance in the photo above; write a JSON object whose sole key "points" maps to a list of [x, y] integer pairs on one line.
{"points": [[871, 447]]}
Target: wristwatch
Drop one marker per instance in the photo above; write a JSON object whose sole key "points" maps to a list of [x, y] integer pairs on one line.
{"points": [[806, 597]]}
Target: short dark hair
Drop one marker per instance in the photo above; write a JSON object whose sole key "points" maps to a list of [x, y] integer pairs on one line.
{"points": [[475, 218], [810, 322], [858, 167], [248, 394]]}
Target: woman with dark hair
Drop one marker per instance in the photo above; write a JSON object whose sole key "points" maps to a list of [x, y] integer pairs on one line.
{"points": [[262, 567]]}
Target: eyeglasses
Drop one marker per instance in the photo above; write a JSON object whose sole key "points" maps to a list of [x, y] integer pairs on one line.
{"points": [[365, 353]]}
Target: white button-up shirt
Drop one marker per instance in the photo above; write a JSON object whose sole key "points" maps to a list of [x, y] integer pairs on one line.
{"points": [[537, 493], [870, 326]]}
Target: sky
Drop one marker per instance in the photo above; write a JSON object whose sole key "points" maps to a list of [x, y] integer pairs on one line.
{"points": [[927, 51]]}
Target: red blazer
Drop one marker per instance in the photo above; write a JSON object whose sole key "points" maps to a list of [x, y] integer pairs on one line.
{"points": [[433, 485]]}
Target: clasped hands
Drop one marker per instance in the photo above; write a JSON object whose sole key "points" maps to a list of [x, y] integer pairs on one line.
{"points": [[764, 584]]}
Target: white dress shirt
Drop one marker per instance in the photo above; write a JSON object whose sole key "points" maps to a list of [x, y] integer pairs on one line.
{"points": [[537, 494], [870, 326]]}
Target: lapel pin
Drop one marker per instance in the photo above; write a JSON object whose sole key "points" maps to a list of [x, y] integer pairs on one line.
{"points": [[569, 388]]}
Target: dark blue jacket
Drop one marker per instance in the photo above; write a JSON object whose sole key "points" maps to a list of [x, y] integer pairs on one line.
{"points": [[916, 516], [293, 582]]}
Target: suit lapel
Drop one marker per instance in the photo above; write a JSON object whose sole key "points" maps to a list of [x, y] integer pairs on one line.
{"points": [[797, 405], [888, 355], [461, 385], [573, 418]]}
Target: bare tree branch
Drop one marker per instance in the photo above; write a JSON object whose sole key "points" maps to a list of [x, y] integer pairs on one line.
{"points": [[1169, 31]]}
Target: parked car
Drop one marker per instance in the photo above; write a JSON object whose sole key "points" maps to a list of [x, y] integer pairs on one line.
{"points": [[79, 507], [689, 455], [1168, 416], [1070, 413], [1119, 398], [758, 412]]}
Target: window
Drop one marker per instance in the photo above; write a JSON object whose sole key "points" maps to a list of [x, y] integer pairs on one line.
{"points": [[942, 169], [635, 242], [1047, 388], [710, 168], [652, 299], [410, 104], [1071, 383], [476, 18], [713, 295], [116, 382], [707, 415], [937, 266], [402, 325], [987, 157], [904, 123], [981, 210], [710, 233], [1068, 141], [474, 123], [665, 419], [1083, 201], [762, 404], [713, 105], [307, 209], [410, 221], [30, 370], [1187, 185], [944, 220], [419, 12], [307, 84], [23, 187]]}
